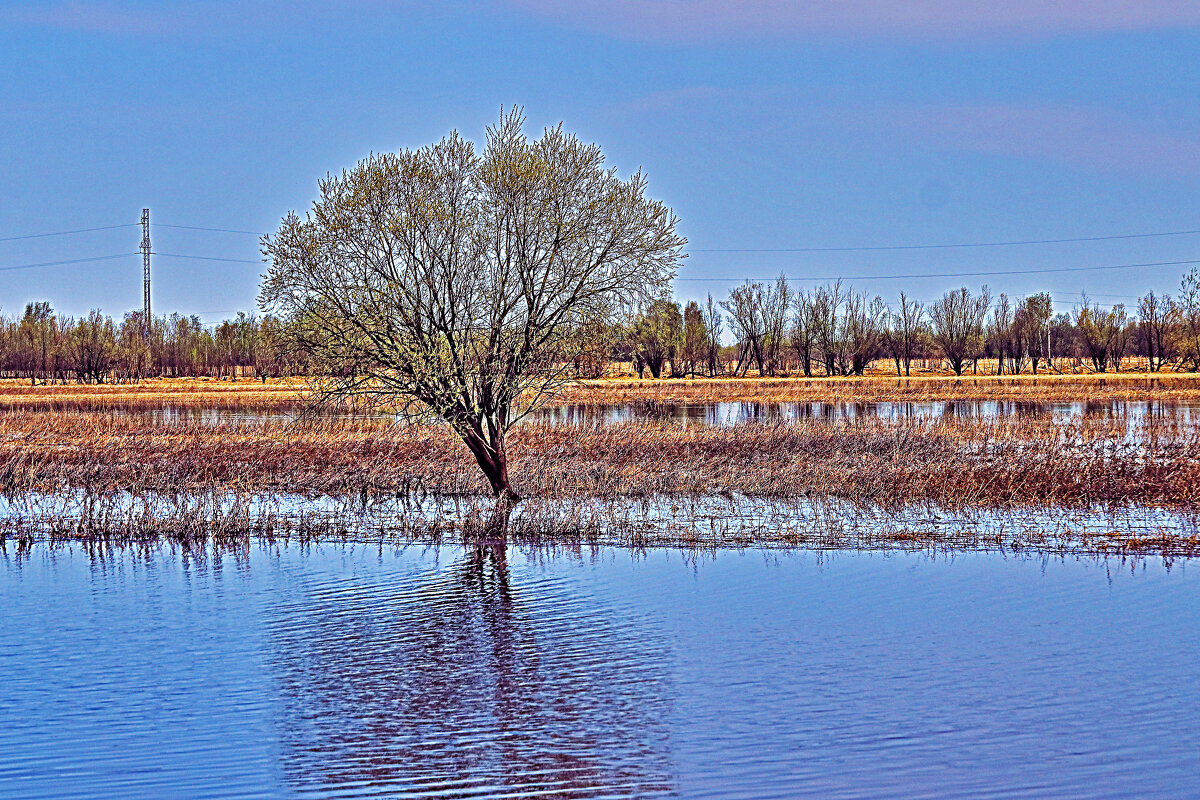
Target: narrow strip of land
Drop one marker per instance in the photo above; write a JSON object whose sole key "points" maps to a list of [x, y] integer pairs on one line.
{"points": [[290, 394]]}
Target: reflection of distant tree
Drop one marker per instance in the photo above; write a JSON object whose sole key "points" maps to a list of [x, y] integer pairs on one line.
{"points": [[464, 687]]}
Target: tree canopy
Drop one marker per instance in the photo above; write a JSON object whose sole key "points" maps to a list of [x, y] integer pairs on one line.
{"points": [[458, 282]]}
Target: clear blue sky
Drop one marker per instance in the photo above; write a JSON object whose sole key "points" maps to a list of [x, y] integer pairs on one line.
{"points": [[763, 124]]}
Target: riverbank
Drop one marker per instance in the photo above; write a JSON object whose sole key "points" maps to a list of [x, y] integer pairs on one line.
{"points": [[289, 394]]}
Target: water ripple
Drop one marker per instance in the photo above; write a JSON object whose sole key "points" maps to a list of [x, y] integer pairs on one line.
{"points": [[360, 671], [466, 685]]}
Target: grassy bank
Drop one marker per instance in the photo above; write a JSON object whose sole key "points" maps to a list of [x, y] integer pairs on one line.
{"points": [[1171, 388], [288, 395]]}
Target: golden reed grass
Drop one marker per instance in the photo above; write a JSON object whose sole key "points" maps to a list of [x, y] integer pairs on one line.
{"points": [[1172, 388], [156, 393], [951, 462], [288, 395]]}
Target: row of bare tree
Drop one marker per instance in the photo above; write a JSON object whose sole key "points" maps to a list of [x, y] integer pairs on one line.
{"points": [[44, 346], [835, 330], [776, 330]]}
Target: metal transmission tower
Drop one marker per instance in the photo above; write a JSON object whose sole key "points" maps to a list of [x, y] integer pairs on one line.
{"points": [[145, 248]]}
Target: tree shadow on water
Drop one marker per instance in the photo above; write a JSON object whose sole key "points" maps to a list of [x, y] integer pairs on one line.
{"points": [[458, 683]]}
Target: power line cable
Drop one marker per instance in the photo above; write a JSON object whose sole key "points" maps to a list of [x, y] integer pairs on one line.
{"points": [[1060, 298], [215, 230], [839, 249], [209, 258], [65, 233], [68, 261], [871, 248], [950, 274], [718, 279]]}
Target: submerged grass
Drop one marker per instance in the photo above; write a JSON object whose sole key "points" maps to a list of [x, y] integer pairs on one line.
{"points": [[861, 482], [706, 526]]}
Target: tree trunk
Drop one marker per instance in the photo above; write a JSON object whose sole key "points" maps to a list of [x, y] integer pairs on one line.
{"points": [[492, 459]]}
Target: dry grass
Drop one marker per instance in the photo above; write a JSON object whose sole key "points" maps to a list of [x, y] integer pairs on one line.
{"points": [[1171, 388], [954, 463], [153, 394], [581, 481], [287, 395]]}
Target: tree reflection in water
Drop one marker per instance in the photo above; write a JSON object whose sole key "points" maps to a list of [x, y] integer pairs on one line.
{"points": [[461, 685]]}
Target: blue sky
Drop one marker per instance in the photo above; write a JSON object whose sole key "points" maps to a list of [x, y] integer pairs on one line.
{"points": [[763, 124]]}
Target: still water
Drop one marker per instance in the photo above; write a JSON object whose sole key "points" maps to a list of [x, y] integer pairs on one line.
{"points": [[733, 413], [354, 671]]}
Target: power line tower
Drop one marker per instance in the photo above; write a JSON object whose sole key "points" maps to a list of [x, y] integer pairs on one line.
{"points": [[145, 249]]}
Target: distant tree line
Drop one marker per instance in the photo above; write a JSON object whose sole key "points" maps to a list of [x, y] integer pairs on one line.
{"points": [[835, 330], [43, 346], [776, 330]]}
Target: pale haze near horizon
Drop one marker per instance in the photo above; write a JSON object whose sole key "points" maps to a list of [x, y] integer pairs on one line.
{"points": [[763, 125]]}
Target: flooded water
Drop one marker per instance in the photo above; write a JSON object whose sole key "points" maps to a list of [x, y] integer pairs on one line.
{"points": [[354, 671], [732, 413]]}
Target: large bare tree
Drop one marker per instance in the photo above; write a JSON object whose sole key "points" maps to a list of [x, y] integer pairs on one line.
{"points": [[902, 332], [745, 310], [456, 282], [958, 320]]}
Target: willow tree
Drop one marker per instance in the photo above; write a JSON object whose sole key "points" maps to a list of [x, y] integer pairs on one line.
{"points": [[957, 321], [459, 283]]}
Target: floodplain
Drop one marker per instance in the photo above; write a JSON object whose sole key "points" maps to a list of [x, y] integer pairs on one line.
{"points": [[1101, 464]]}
